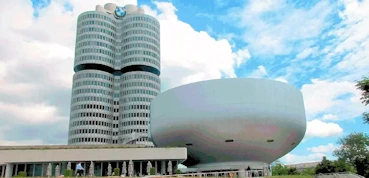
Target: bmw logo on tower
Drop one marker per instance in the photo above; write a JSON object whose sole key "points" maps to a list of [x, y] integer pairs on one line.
{"points": [[120, 11]]}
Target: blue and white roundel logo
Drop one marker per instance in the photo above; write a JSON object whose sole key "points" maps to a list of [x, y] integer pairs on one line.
{"points": [[120, 11]]}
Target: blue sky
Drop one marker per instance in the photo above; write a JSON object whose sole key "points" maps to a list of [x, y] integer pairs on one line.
{"points": [[321, 47]]}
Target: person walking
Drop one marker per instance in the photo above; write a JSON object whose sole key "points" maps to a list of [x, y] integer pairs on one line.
{"points": [[80, 169]]}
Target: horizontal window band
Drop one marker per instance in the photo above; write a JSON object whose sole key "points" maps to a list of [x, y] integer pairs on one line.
{"points": [[131, 68]]}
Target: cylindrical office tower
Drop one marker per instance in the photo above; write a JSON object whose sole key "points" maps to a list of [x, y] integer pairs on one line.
{"points": [[117, 68], [93, 81], [140, 81]]}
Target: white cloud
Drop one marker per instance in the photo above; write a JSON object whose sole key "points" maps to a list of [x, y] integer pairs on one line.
{"points": [[260, 72], [339, 98], [317, 128], [323, 148], [230, 37], [306, 52], [292, 158], [351, 36], [30, 113], [189, 56], [316, 154], [4, 142], [281, 79], [276, 34], [331, 117]]}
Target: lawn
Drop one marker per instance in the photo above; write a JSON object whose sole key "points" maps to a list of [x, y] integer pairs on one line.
{"points": [[292, 176]]}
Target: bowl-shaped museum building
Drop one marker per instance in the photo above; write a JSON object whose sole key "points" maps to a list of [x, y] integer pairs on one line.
{"points": [[230, 124]]}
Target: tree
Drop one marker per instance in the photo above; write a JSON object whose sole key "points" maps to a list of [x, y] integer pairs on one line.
{"points": [[326, 166], [366, 117], [292, 171], [279, 169], [355, 150], [363, 85], [343, 166]]}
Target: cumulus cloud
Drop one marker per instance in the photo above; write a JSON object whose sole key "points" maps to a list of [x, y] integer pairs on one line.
{"points": [[323, 148], [241, 55], [316, 154], [318, 128], [188, 55], [334, 99]]}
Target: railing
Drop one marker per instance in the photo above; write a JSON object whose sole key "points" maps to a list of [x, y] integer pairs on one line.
{"points": [[253, 173], [339, 175]]}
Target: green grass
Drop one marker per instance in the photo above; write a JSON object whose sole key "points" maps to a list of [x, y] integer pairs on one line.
{"points": [[292, 176], [284, 176]]}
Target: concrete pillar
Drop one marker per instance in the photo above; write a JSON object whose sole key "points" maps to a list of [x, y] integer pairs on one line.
{"points": [[156, 167], [75, 169], [163, 166], [42, 170], [9, 170], [241, 173], [175, 167], [16, 169], [3, 171], [33, 171], [84, 170], [101, 174], [140, 168]]}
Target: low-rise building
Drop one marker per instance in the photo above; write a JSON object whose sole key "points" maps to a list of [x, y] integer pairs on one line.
{"points": [[36, 159], [302, 166]]}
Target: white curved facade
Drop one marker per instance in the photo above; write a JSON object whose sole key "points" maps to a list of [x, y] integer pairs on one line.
{"points": [[117, 68], [230, 123]]}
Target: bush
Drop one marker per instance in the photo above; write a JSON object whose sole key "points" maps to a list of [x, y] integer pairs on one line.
{"points": [[308, 171], [152, 171], [325, 166], [116, 171], [178, 171], [68, 173], [22, 174], [280, 169], [292, 171]]}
